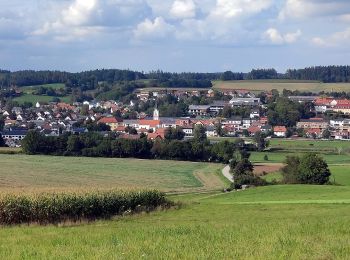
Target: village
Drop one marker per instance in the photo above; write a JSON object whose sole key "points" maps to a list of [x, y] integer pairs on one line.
{"points": [[106, 117]]}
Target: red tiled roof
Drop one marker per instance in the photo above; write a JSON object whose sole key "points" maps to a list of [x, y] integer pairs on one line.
{"points": [[109, 120], [253, 129], [280, 129], [151, 123]]}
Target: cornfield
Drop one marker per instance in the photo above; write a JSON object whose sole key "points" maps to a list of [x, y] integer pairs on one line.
{"points": [[50, 208]]}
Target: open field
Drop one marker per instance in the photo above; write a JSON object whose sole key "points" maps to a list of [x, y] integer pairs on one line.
{"points": [[272, 222], [276, 222], [28, 96], [31, 89], [36, 98], [38, 172], [258, 85]]}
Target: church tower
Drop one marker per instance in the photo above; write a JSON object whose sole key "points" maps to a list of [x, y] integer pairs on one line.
{"points": [[156, 114]]}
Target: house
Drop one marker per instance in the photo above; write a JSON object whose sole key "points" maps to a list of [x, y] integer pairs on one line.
{"points": [[322, 104], [112, 122], [198, 110], [302, 99], [314, 133], [217, 106], [246, 123], [149, 124], [253, 129], [14, 135], [280, 131], [255, 113], [210, 131], [158, 134], [313, 123], [240, 101], [342, 108]]}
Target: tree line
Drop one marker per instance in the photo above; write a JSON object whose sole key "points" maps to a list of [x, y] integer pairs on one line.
{"points": [[96, 145], [91, 79]]}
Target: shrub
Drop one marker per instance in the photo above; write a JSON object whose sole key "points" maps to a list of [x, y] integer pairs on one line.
{"points": [[50, 208]]}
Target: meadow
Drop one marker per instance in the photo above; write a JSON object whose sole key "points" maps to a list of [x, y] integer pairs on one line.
{"points": [[27, 95], [260, 85], [276, 222], [272, 222], [50, 172]]}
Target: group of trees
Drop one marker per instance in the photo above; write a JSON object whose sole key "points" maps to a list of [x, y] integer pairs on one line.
{"points": [[307, 169], [242, 170], [287, 113], [95, 145]]}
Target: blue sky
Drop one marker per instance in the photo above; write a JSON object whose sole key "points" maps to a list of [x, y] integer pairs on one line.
{"points": [[173, 35]]}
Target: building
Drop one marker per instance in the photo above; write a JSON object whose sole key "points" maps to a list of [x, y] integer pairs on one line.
{"points": [[112, 122], [199, 110], [238, 101], [319, 123], [280, 131], [217, 106]]}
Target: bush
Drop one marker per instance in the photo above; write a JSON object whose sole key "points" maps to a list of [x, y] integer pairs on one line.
{"points": [[50, 208]]}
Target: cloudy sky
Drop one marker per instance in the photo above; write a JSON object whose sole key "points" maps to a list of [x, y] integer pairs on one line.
{"points": [[173, 35]]}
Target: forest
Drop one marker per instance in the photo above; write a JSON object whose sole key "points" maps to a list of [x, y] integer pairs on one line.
{"points": [[89, 80]]}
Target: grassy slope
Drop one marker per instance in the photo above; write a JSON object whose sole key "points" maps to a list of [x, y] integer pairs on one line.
{"points": [[22, 171], [27, 95], [286, 220], [280, 85]]}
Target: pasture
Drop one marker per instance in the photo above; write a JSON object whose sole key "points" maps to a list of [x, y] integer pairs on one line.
{"points": [[272, 222], [49, 172], [27, 95], [260, 85], [275, 222]]}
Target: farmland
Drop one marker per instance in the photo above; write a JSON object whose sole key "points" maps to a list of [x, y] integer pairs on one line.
{"points": [[274, 222], [269, 222], [38, 172], [259, 85]]}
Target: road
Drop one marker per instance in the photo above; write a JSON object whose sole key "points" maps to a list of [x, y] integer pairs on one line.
{"points": [[227, 174]]}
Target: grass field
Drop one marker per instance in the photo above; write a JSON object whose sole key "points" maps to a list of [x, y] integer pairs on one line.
{"points": [[272, 222], [279, 222], [28, 96], [281, 84], [37, 172]]}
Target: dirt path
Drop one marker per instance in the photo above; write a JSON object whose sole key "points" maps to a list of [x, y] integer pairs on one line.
{"points": [[227, 174]]}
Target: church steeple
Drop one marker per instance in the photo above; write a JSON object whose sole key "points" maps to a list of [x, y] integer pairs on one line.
{"points": [[156, 113]]}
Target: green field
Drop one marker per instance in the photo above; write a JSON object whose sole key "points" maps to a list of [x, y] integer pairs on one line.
{"points": [[259, 85], [272, 222], [28, 96], [279, 222], [37, 172]]}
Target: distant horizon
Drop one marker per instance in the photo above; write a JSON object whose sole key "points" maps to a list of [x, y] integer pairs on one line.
{"points": [[165, 71]]}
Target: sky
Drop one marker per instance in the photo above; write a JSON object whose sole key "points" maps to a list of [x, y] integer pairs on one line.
{"points": [[173, 35]]}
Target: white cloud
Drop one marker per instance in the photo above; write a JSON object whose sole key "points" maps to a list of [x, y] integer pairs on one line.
{"points": [[300, 9], [149, 29], [230, 9], [183, 9], [336, 39], [273, 36]]}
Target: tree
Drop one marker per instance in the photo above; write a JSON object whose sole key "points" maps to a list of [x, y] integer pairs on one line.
{"points": [[74, 145], [2, 123], [260, 141], [313, 170], [32, 143], [174, 133], [308, 169], [2, 141], [199, 134], [326, 134]]}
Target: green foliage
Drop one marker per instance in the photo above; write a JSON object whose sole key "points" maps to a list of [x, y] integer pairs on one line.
{"points": [[33, 142], [174, 133], [308, 169], [259, 139], [199, 134], [2, 141], [58, 207]]}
